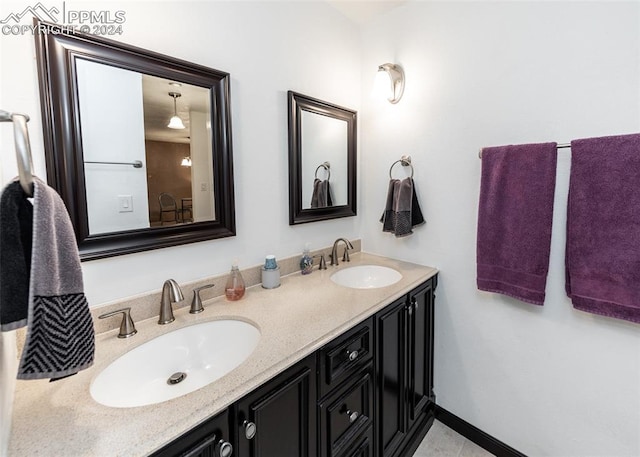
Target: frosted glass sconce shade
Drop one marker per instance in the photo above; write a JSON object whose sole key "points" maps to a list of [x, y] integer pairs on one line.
{"points": [[390, 82]]}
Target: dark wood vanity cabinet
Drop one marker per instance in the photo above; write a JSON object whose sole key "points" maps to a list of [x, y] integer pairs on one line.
{"points": [[367, 393], [279, 418], [209, 439], [404, 366], [345, 406]]}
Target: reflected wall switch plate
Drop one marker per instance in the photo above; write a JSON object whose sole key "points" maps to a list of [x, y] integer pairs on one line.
{"points": [[125, 203], [203, 187]]}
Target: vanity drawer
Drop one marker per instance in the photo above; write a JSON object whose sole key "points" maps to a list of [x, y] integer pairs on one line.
{"points": [[210, 439], [346, 417], [345, 355], [364, 447]]}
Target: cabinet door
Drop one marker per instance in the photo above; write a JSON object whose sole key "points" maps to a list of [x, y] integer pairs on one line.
{"points": [[278, 419], [420, 352], [391, 376], [346, 415], [210, 439]]}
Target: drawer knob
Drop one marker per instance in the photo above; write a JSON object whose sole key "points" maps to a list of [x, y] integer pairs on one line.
{"points": [[225, 449], [352, 355], [249, 429], [353, 415]]}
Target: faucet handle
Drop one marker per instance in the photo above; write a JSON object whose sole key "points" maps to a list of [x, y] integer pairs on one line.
{"points": [[196, 302], [345, 256], [323, 262], [127, 327]]}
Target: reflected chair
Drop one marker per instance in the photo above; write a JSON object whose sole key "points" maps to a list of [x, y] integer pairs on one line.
{"points": [[168, 206], [187, 207]]}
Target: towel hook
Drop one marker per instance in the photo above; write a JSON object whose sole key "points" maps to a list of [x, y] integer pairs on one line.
{"points": [[405, 161], [23, 148], [327, 166]]}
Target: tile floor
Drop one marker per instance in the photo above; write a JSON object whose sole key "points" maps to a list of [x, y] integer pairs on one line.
{"points": [[441, 441]]}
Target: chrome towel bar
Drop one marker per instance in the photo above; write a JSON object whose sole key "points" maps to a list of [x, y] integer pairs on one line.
{"points": [[135, 163], [560, 146], [23, 148]]}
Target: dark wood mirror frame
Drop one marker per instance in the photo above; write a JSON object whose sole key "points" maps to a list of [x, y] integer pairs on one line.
{"points": [[298, 103], [57, 49]]}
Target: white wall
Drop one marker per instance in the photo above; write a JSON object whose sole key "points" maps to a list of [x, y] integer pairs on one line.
{"points": [[112, 120], [268, 48], [8, 372], [21, 101], [202, 166], [548, 381]]}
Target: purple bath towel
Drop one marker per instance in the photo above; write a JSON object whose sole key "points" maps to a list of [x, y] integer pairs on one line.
{"points": [[603, 227], [514, 220]]}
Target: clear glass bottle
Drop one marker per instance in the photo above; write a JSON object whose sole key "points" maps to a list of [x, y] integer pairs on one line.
{"points": [[306, 261], [234, 289]]}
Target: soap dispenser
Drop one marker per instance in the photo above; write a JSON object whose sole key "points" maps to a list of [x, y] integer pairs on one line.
{"points": [[306, 261], [270, 273], [234, 289]]}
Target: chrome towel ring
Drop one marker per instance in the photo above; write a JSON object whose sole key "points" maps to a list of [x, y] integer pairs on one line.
{"points": [[327, 168], [405, 161]]}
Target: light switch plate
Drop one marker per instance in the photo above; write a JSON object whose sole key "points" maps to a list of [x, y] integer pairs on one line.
{"points": [[125, 203]]}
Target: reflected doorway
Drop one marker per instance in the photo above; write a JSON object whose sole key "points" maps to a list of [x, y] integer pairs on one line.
{"points": [[168, 179]]}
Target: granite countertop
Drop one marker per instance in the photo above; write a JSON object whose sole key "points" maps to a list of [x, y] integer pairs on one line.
{"points": [[300, 316]]}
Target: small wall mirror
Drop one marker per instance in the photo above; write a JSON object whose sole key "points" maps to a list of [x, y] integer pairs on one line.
{"points": [[138, 144], [322, 160]]}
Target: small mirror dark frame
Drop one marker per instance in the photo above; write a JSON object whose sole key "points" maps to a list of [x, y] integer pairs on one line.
{"points": [[57, 49], [297, 104]]}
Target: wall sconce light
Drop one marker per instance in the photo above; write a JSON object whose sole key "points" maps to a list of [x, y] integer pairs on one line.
{"points": [[175, 122], [390, 82], [186, 162]]}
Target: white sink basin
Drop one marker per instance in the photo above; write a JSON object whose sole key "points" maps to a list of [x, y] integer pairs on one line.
{"points": [[203, 352], [366, 277]]}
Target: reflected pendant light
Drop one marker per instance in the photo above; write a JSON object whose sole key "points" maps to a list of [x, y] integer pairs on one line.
{"points": [[175, 122], [186, 162]]}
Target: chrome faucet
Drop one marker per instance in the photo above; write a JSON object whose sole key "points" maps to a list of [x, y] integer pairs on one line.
{"points": [[334, 251], [171, 293]]}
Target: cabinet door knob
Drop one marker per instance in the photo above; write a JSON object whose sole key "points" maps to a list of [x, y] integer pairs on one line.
{"points": [[353, 415], [352, 355], [224, 448], [249, 429]]}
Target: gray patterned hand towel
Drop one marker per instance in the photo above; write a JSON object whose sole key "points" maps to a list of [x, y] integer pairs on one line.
{"points": [[402, 211], [321, 196], [60, 338]]}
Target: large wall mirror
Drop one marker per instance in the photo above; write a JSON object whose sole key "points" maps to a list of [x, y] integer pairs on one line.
{"points": [[322, 160], [138, 144]]}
